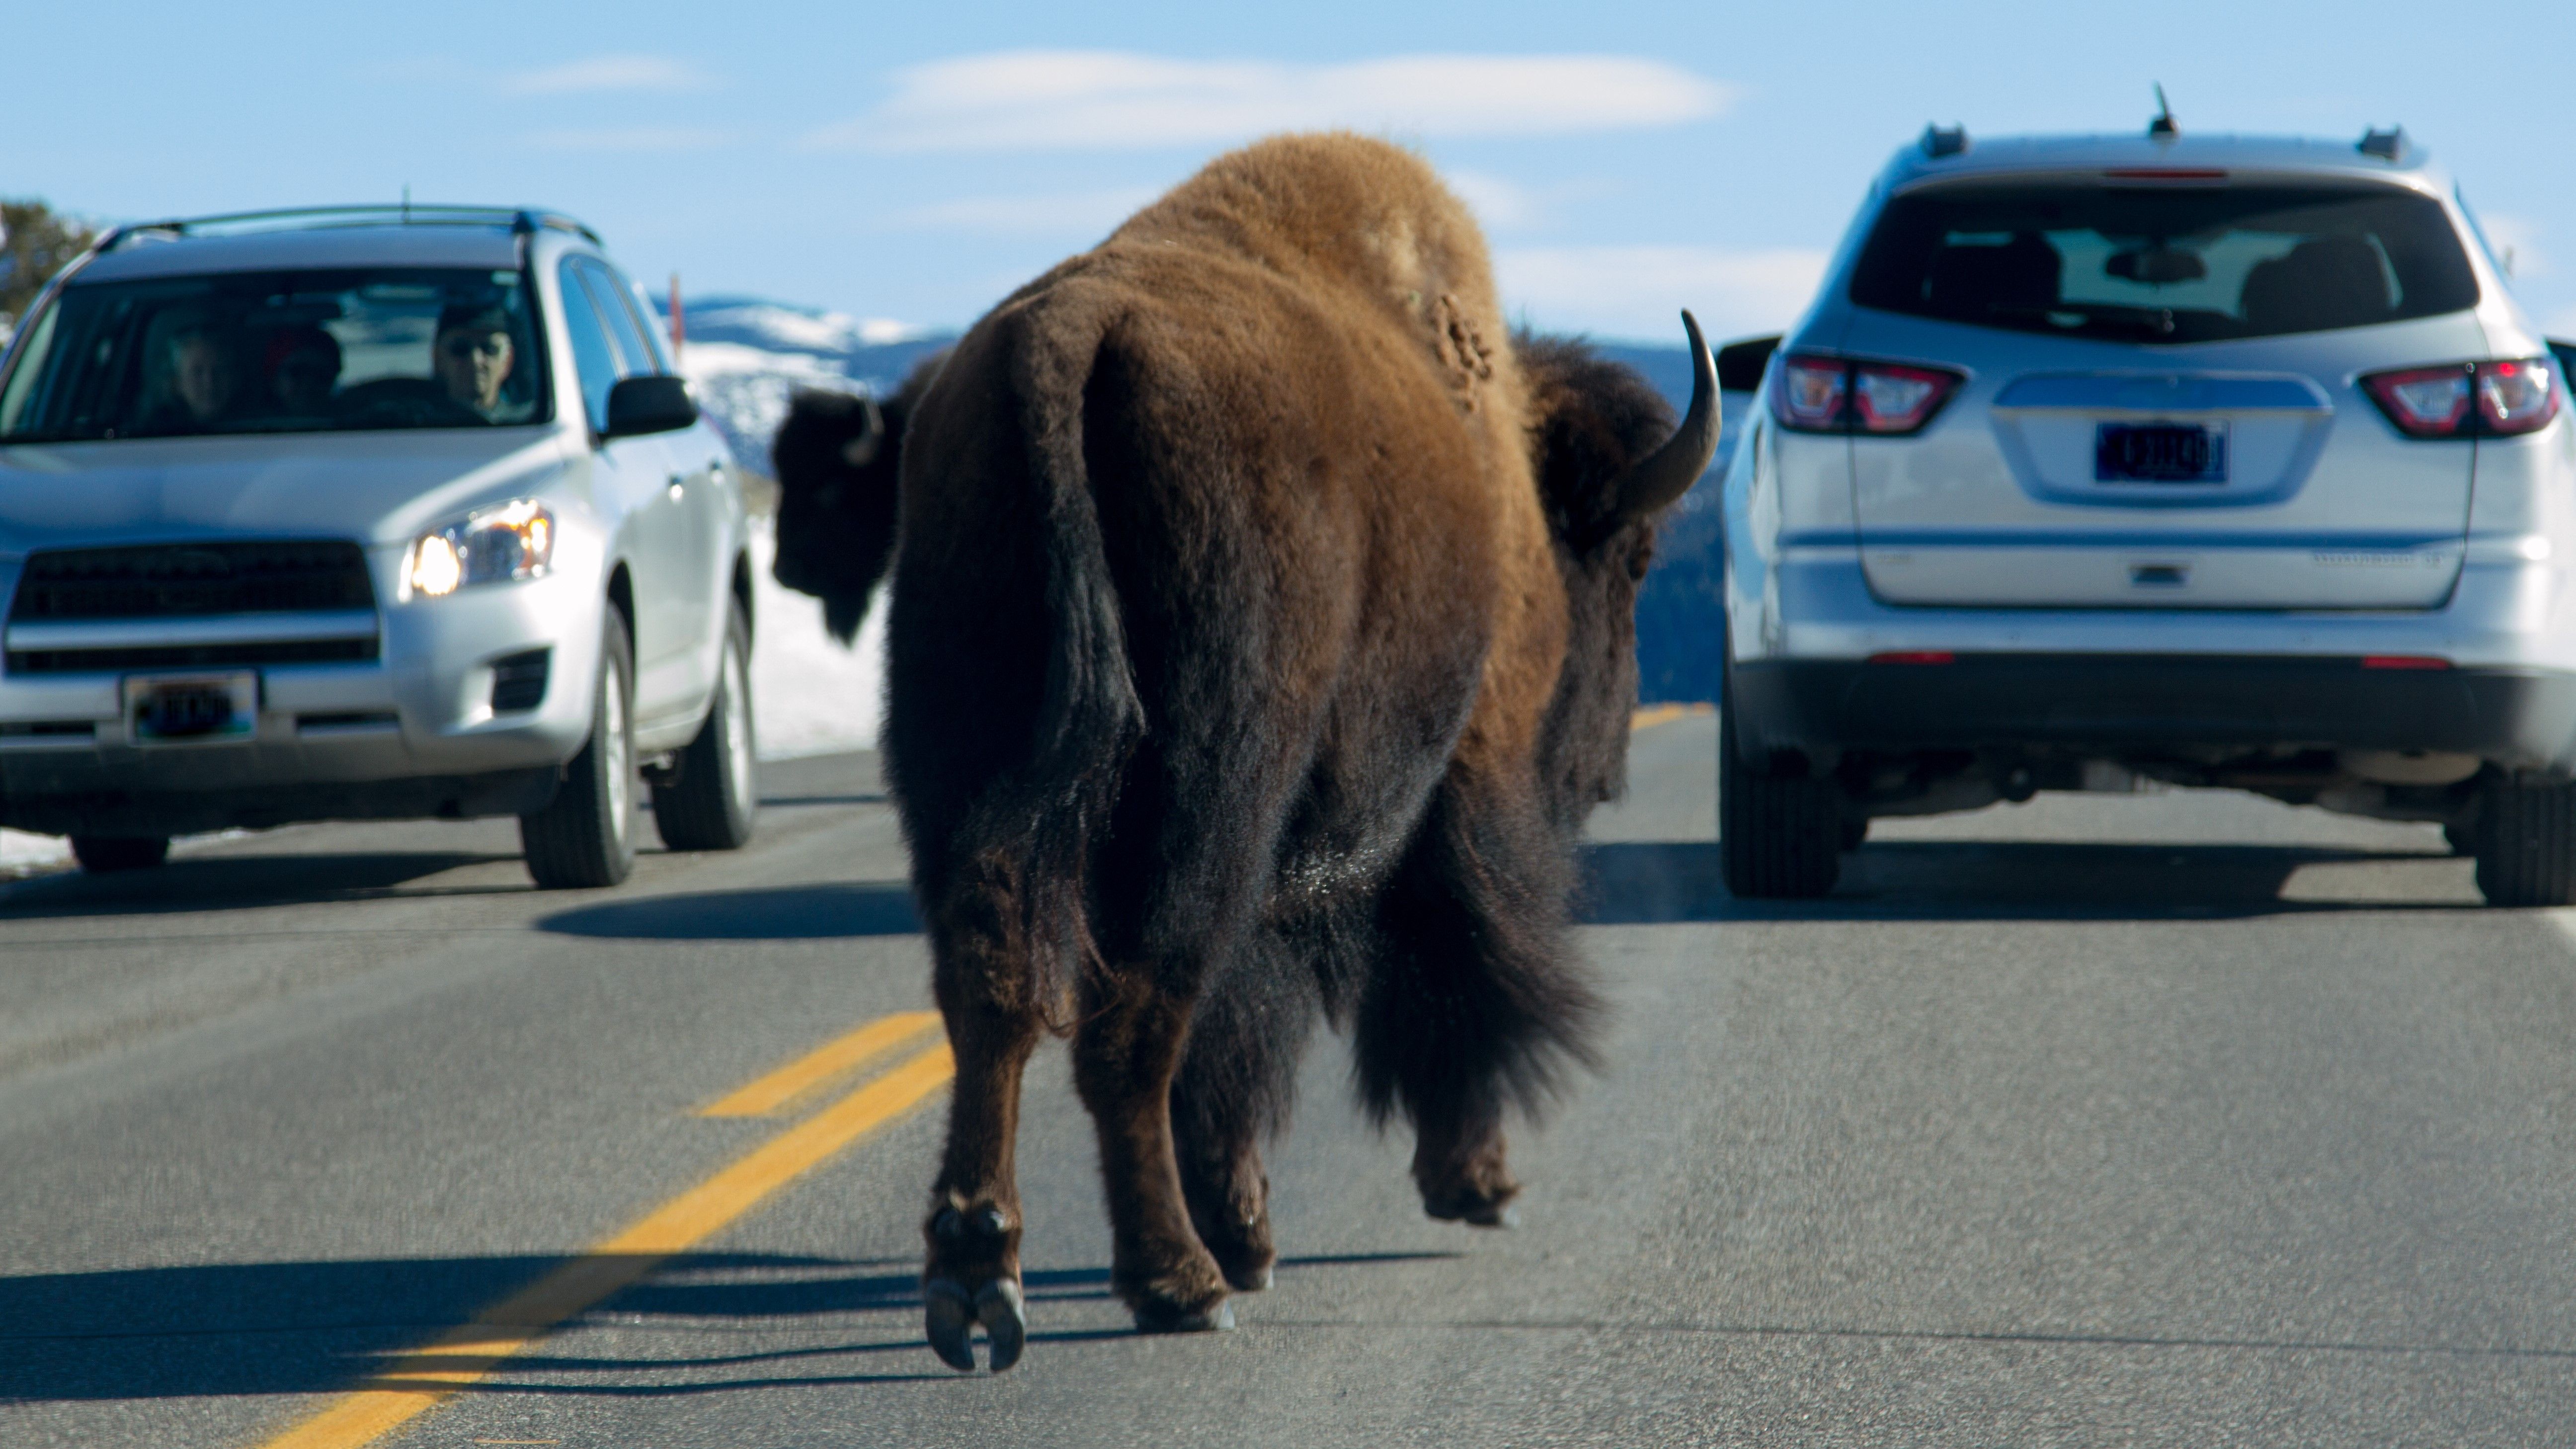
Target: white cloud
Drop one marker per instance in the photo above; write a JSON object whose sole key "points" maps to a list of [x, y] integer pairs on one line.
{"points": [[1639, 291], [1106, 100], [1496, 202], [631, 138], [1083, 212], [609, 73]]}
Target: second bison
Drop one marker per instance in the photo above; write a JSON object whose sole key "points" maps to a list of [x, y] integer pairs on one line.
{"points": [[1262, 633]]}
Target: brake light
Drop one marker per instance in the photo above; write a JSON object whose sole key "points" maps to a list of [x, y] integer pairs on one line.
{"points": [[2517, 397], [1810, 395], [1842, 394], [1914, 656], [2468, 399], [2404, 661]]}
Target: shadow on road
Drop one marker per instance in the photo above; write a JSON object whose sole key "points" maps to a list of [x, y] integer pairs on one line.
{"points": [[232, 882], [320, 1327], [781, 913], [1634, 883]]}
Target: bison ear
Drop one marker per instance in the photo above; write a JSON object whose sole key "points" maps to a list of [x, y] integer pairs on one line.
{"points": [[1662, 478], [861, 450]]}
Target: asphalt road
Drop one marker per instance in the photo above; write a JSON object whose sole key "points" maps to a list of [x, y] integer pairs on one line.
{"points": [[2162, 1119]]}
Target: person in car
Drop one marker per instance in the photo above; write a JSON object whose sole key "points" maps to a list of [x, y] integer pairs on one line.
{"points": [[203, 379], [303, 367], [473, 357]]}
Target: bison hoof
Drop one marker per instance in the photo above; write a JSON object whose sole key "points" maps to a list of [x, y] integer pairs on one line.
{"points": [[1249, 1279], [1158, 1317], [1475, 1211], [949, 1318]]}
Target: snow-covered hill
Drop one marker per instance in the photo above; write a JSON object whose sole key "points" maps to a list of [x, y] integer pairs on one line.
{"points": [[745, 355]]}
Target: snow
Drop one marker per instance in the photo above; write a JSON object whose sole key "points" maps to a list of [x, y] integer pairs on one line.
{"points": [[810, 695], [24, 854]]}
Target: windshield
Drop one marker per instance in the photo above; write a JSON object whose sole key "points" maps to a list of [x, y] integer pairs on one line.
{"points": [[279, 352], [2160, 263]]}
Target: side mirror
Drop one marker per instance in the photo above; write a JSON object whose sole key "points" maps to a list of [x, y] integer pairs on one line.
{"points": [[648, 405], [1740, 364]]}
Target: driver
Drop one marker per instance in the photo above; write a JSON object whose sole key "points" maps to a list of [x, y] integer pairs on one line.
{"points": [[473, 357]]}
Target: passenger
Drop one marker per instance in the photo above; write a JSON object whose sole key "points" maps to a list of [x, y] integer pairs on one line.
{"points": [[203, 379], [473, 357], [303, 368]]}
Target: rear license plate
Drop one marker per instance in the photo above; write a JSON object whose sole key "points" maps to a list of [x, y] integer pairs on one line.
{"points": [[2160, 453], [192, 708]]}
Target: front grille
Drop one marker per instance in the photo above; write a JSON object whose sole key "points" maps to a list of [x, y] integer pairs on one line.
{"points": [[181, 579], [519, 680], [191, 656]]}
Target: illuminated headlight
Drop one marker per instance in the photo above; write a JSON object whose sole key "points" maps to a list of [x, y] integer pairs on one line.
{"points": [[513, 541]]}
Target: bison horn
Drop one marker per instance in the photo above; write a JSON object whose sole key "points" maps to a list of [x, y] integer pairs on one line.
{"points": [[1673, 468], [858, 452]]}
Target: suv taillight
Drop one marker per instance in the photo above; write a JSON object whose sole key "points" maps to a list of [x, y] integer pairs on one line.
{"points": [[1853, 395], [2468, 399]]}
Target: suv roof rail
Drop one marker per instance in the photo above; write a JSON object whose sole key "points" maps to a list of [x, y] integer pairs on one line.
{"points": [[1940, 141], [2388, 145], [520, 220]]}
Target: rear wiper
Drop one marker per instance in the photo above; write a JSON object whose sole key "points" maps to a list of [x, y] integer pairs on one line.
{"points": [[2158, 321]]}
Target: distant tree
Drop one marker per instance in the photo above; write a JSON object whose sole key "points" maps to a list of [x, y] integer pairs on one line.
{"points": [[35, 243]]}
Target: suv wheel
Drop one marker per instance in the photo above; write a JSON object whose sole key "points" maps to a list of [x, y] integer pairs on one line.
{"points": [[101, 854], [1778, 838], [586, 835], [709, 805], [2526, 844]]}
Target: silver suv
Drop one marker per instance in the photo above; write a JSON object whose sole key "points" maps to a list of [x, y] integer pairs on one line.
{"points": [[365, 513], [2208, 460]]}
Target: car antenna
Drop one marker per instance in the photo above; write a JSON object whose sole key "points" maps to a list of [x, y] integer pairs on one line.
{"points": [[2163, 125], [406, 203]]}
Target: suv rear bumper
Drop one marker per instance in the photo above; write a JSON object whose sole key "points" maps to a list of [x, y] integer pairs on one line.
{"points": [[2115, 704]]}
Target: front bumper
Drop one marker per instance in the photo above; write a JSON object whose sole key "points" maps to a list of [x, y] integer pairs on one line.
{"points": [[2121, 706], [410, 733]]}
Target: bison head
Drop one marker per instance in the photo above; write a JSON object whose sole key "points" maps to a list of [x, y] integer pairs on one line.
{"points": [[837, 457], [1609, 461]]}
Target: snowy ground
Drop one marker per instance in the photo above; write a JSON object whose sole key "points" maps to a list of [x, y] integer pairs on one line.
{"points": [[809, 695]]}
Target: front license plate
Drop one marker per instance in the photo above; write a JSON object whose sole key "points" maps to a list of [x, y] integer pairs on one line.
{"points": [[2160, 453], [174, 708]]}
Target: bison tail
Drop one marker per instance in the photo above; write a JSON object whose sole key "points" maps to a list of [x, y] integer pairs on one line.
{"points": [[1089, 716]]}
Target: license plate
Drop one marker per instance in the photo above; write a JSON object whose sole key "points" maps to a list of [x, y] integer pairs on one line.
{"points": [[2160, 453], [176, 708]]}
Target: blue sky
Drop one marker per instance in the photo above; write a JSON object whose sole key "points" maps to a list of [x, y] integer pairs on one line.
{"points": [[915, 162]]}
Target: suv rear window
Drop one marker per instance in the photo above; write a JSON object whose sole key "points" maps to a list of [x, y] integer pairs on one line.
{"points": [[279, 352], [2164, 263]]}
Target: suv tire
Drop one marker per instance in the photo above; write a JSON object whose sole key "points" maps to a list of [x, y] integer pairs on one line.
{"points": [[585, 836], [105, 854], [709, 803], [2526, 844], [1778, 838]]}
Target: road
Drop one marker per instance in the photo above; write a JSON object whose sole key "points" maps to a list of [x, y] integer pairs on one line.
{"points": [[2162, 1119]]}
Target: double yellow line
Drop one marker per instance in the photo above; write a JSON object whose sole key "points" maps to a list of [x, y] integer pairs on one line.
{"points": [[431, 1374]]}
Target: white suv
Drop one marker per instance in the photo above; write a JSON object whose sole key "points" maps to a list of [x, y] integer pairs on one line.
{"points": [[2220, 461], [365, 513]]}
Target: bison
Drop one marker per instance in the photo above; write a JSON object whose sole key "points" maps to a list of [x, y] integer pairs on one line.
{"points": [[1262, 634]]}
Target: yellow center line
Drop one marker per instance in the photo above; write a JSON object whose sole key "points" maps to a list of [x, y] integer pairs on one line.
{"points": [[463, 1356], [825, 1062], [1664, 714]]}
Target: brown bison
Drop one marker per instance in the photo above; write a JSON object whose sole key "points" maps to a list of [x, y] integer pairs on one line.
{"points": [[1261, 636]]}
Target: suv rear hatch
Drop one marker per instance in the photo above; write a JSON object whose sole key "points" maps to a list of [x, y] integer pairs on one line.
{"points": [[2160, 407]]}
